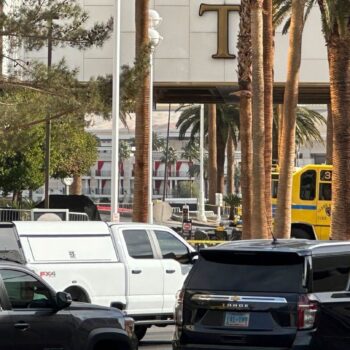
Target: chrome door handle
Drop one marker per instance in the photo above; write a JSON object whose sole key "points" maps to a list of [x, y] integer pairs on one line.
{"points": [[22, 326], [170, 271], [136, 272]]}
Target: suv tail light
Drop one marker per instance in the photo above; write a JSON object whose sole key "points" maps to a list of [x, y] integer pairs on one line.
{"points": [[178, 316], [307, 310]]}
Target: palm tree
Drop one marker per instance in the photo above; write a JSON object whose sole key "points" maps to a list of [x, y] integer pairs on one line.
{"points": [[287, 150], [329, 148], [227, 118], [140, 205], [170, 158], [336, 27], [191, 152], [268, 102], [259, 222], [212, 154], [307, 128], [159, 143], [233, 201], [230, 150], [244, 80]]}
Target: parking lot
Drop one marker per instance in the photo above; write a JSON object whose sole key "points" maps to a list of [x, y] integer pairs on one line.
{"points": [[157, 338]]}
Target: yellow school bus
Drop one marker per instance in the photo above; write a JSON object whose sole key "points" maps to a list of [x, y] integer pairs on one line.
{"points": [[311, 201]]}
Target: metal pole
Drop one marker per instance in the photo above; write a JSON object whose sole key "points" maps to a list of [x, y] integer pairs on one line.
{"points": [[48, 124], [201, 209], [150, 147], [115, 115], [166, 157]]}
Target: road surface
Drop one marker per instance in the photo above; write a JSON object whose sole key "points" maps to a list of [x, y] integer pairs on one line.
{"points": [[157, 338]]}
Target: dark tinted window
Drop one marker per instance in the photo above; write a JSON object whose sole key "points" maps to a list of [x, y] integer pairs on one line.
{"points": [[325, 191], [245, 272], [171, 247], [308, 185], [331, 273], [24, 291], [138, 244]]}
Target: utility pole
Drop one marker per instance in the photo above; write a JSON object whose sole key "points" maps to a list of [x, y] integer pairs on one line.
{"points": [[48, 121]]}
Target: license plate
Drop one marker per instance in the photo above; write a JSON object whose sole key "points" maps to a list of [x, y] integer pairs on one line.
{"points": [[235, 319]]}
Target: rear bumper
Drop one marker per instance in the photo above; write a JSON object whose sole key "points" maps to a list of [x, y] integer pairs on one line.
{"points": [[302, 341]]}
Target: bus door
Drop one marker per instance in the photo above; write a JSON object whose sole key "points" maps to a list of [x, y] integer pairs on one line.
{"points": [[324, 203]]}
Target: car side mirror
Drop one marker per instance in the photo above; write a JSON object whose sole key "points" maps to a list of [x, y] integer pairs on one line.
{"points": [[63, 300]]}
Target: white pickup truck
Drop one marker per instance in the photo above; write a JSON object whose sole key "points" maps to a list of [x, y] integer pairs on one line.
{"points": [[135, 267]]}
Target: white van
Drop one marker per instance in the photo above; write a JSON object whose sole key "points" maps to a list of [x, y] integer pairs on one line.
{"points": [[135, 267]]}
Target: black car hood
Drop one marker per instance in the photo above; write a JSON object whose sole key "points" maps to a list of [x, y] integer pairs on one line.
{"points": [[77, 305]]}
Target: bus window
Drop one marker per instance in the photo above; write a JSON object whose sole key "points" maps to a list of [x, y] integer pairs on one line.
{"points": [[308, 185], [325, 191]]}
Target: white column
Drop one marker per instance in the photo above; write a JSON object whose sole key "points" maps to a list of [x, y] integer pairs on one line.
{"points": [[115, 115], [201, 208], [150, 148]]}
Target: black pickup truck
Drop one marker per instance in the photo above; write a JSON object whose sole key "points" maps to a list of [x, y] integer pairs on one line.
{"points": [[267, 295], [34, 317]]}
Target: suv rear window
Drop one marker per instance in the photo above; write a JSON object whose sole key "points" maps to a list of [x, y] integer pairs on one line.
{"points": [[247, 272]]}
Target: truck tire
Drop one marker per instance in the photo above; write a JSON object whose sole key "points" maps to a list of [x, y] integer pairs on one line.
{"points": [[140, 332], [78, 294]]}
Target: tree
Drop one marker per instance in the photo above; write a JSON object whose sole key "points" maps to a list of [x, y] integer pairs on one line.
{"points": [[34, 25], [259, 222], [233, 201], [191, 152], [336, 27], [307, 131], [159, 143], [268, 36], [283, 213], [170, 158], [140, 205], [227, 118], [244, 80], [212, 154]]}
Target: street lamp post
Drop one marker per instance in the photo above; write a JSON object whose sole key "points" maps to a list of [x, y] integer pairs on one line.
{"points": [[155, 39], [115, 115], [201, 209]]}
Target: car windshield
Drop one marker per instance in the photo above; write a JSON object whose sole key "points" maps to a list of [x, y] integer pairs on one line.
{"points": [[247, 272]]}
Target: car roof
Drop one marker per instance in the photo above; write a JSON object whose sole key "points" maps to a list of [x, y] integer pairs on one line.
{"points": [[296, 246]]}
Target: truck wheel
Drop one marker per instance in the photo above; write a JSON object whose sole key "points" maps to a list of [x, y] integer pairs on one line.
{"points": [[140, 332], [300, 233], [78, 294]]}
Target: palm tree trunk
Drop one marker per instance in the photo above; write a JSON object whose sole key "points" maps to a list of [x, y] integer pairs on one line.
{"points": [[244, 80], [339, 58], [329, 151], [212, 166], [220, 156], [287, 147], [268, 104], [140, 205], [279, 130], [259, 222], [76, 187], [1, 40], [230, 163]]}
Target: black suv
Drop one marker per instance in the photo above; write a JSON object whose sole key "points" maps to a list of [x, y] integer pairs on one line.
{"points": [[254, 295], [34, 317]]}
